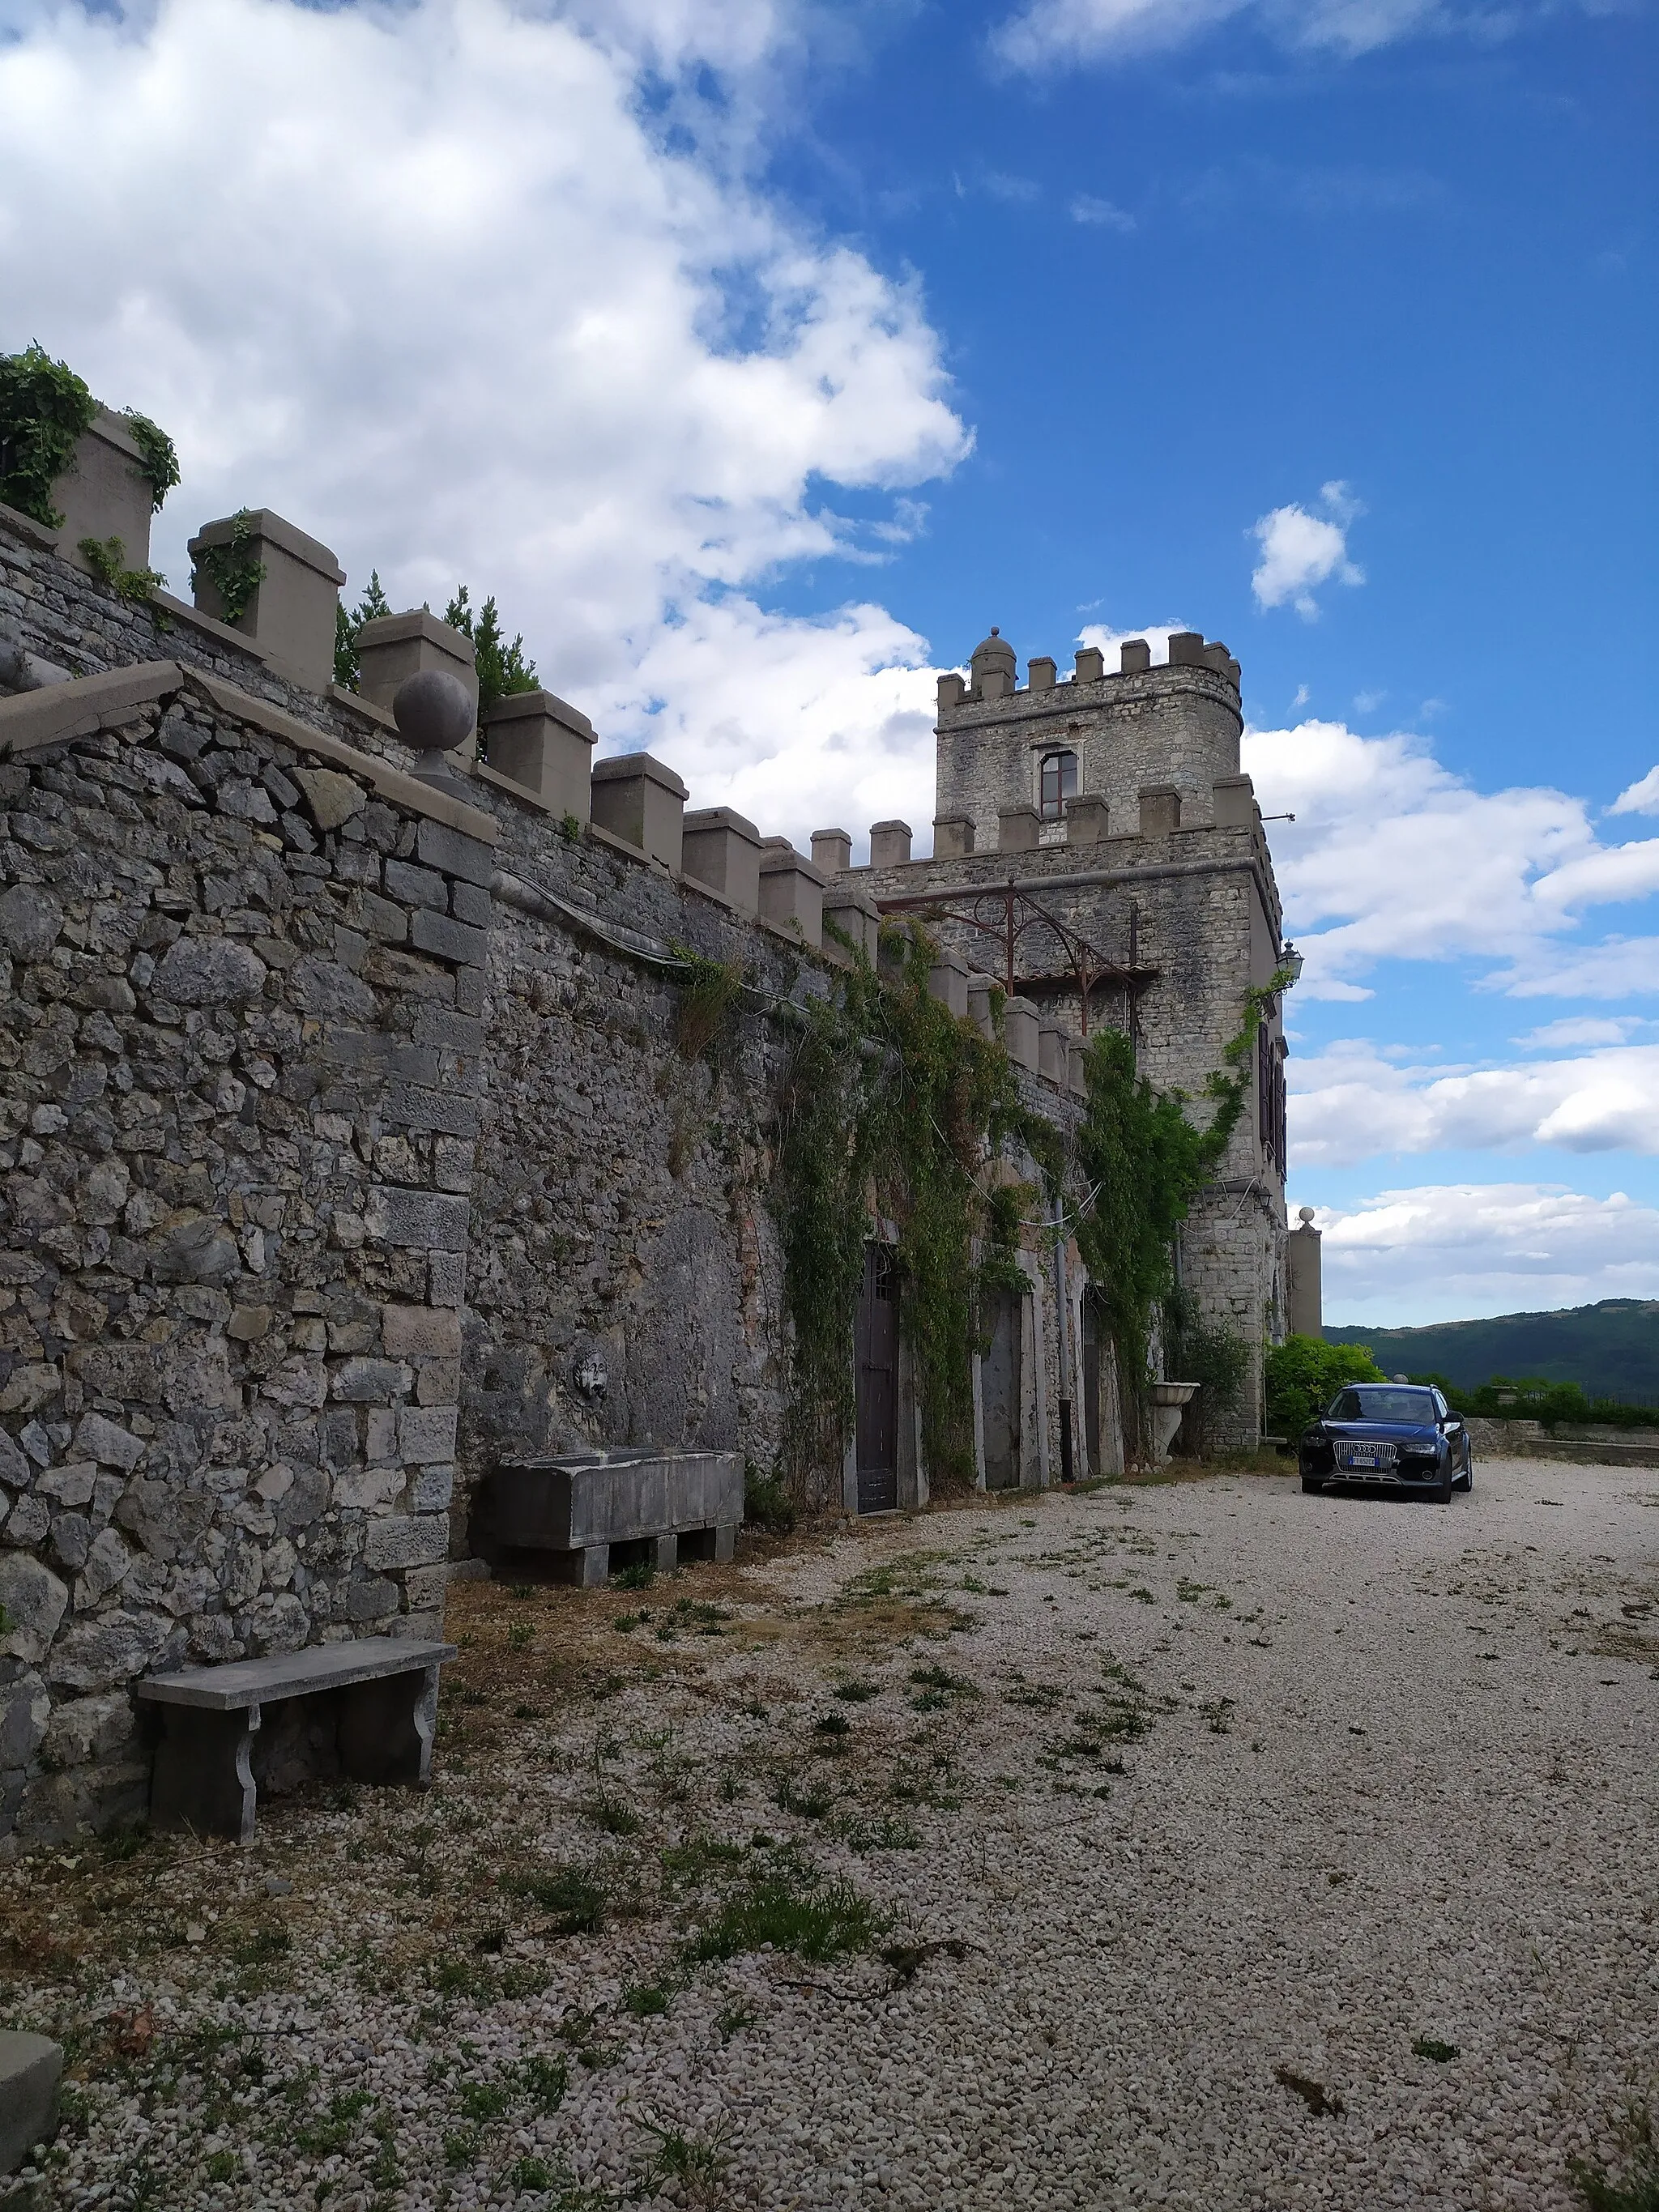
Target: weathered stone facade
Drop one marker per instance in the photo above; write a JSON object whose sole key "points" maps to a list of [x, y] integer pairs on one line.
{"points": [[1169, 882], [354, 1139]]}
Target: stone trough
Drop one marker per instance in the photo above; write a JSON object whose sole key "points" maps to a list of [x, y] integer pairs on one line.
{"points": [[587, 1507]]}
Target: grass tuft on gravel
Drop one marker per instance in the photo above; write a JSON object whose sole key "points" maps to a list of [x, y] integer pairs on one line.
{"points": [[1639, 2190], [818, 1925]]}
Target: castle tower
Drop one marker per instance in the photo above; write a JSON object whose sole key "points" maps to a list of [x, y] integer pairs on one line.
{"points": [[1107, 734], [1096, 851]]}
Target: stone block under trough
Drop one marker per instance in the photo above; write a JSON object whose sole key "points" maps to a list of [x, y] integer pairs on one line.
{"points": [[30, 2067], [594, 1510]]}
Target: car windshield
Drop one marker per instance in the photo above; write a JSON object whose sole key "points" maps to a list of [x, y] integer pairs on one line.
{"points": [[1380, 1403]]}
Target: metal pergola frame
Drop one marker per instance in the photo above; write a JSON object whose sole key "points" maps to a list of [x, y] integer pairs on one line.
{"points": [[1007, 914]]}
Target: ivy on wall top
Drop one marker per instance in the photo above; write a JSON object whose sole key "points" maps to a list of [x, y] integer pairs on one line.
{"points": [[160, 465], [45, 408], [232, 568], [44, 411]]}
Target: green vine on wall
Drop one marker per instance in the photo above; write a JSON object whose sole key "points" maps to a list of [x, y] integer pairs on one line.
{"points": [[1145, 1161], [106, 558], [892, 1103], [44, 411], [232, 570], [160, 465]]}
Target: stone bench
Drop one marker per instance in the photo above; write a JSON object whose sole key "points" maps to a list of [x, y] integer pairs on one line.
{"points": [[386, 1710], [651, 1506]]}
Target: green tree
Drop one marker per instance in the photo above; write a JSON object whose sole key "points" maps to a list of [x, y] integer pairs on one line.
{"points": [[503, 668], [1304, 1374], [373, 605]]}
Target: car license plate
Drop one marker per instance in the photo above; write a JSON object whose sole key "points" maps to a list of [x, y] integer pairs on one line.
{"points": [[1372, 1459]]}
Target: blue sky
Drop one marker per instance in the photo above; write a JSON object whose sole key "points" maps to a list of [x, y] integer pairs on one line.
{"points": [[760, 355]]}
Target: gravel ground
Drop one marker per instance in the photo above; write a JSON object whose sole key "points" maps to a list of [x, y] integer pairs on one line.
{"points": [[1151, 1830]]}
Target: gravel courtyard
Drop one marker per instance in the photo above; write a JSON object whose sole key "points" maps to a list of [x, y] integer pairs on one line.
{"points": [[1200, 1844]]}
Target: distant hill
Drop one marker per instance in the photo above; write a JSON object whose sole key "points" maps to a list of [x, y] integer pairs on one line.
{"points": [[1610, 1350]]}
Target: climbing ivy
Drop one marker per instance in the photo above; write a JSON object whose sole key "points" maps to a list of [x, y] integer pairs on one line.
{"points": [[1145, 1160], [45, 410], [106, 558], [160, 463], [232, 569], [892, 1104], [709, 991]]}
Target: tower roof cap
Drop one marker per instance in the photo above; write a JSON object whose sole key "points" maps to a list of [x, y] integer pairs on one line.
{"points": [[994, 652]]}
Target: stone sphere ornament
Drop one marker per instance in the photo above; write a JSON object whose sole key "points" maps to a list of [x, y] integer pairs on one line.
{"points": [[433, 710]]}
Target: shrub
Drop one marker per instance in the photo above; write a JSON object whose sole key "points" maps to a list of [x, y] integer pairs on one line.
{"points": [[766, 1500], [1303, 1374]]}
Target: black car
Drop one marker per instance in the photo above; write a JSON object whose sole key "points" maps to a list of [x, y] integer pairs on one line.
{"points": [[1399, 1434]]}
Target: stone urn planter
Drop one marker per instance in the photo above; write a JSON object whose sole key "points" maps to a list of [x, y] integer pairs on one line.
{"points": [[1169, 1402]]}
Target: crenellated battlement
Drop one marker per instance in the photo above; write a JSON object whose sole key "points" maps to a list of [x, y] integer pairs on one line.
{"points": [[992, 680]]}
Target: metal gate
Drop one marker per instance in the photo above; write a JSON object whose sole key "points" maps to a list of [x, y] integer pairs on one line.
{"points": [[999, 1389], [877, 1356]]}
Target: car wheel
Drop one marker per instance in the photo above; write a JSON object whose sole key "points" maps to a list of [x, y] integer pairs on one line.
{"points": [[1466, 1483], [1443, 1489]]}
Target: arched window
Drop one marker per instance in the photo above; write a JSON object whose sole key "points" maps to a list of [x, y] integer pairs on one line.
{"points": [[1058, 783]]}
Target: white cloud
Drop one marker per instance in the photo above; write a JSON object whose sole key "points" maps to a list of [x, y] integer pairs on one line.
{"points": [[425, 280], [1391, 856], [1582, 1028], [1367, 702], [1641, 798], [1617, 967], [798, 725], [1044, 34], [1351, 1102], [1300, 551], [1607, 877], [1086, 209], [1156, 636], [1453, 1251]]}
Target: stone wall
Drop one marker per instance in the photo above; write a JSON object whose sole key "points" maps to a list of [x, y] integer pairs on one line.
{"points": [[620, 1206], [239, 1074], [354, 1139]]}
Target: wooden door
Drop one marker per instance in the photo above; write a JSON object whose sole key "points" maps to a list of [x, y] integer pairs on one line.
{"points": [[1090, 1384], [876, 1351], [999, 1389]]}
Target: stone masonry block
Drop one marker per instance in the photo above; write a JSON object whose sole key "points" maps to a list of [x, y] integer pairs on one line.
{"points": [[1018, 828], [402, 1539], [471, 902], [890, 844], [416, 886], [31, 2066], [407, 1332], [426, 1433], [421, 1220], [455, 853], [832, 851], [953, 837], [416, 1106], [432, 1490], [426, 1586], [450, 940], [1160, 810]]}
